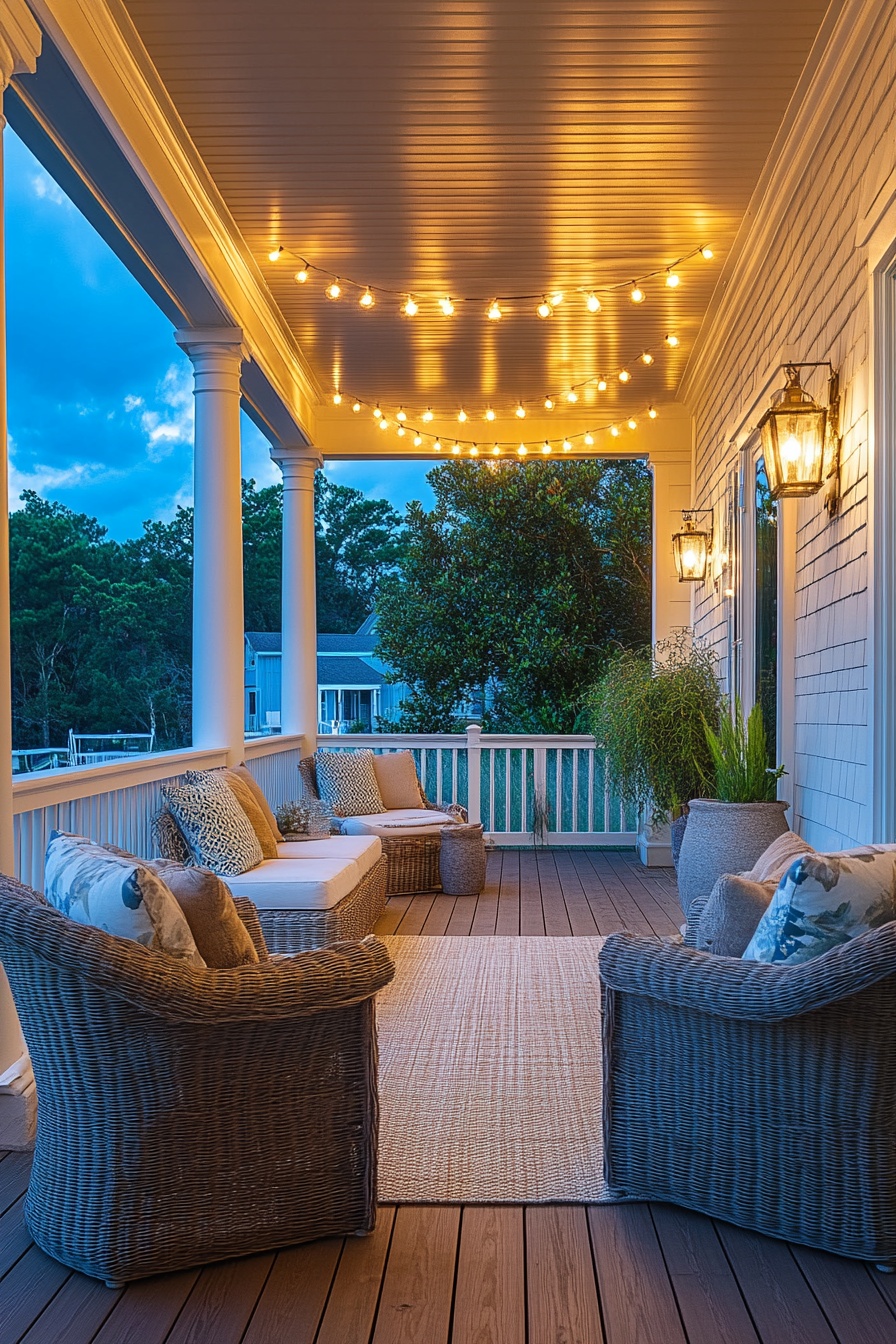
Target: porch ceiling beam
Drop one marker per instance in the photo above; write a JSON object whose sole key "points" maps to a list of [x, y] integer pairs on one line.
{"points": [[98, 115]]}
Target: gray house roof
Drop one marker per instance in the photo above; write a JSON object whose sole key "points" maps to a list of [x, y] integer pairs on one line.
{"points": [[347, 672], [264, 641]]}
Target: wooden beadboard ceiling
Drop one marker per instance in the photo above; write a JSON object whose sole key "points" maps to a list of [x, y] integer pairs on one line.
{"points": [[485, 147]]}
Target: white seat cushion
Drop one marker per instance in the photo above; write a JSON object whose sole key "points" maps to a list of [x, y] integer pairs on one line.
{"points": [[296, 884], [363, 849], [415, 821]]}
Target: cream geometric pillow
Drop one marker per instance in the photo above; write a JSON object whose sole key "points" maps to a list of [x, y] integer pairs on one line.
{"points": [[214, 825], [347, 783]]}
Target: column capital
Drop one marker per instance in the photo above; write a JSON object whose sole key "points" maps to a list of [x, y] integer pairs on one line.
{"points": [[202, 342], [296, 460], [20, 40]]}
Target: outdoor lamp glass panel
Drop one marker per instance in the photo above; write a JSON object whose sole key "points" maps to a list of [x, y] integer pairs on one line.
{"points": [[792, 433], [690, 549]]}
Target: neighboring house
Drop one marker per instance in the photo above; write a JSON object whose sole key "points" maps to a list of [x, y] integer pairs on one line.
{"points": [[351, 682]]}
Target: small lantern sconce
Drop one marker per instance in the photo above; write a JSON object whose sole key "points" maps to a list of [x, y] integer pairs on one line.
{"points": [[691, 549], [800, 440]]}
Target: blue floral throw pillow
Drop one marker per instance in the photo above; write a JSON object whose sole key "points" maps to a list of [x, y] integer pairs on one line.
{"points": [[824, 900]]}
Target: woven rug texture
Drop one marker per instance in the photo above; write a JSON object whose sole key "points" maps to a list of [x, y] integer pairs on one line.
{"points": [[490, 1072]]}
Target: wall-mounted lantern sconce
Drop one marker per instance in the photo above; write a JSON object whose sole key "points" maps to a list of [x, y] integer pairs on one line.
{"points": [[800, 439], [691, 548]]}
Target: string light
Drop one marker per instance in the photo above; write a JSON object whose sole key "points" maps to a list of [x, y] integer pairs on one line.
{"points": [[624, 376], [455, 449], [356, 407], [437, 446], [417, 440], [520, 411], [489, 414], [384, 423], [337, 398], [545, 447], [548, 403], [567, 446], [493, 309], [646, 357], [427, 415], [522, 450], [651, 411], [671, 341], [572, 396], [401, 414], [496, 451], [462, 416], [614, 430], [376, 411], [633, 424], [589, 440], [601, 384], [474, 451], [400, 431]]}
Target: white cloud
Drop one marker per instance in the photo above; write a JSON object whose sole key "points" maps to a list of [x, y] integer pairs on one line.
{"points": [[172, 424], [45, 189], [45, 480]]}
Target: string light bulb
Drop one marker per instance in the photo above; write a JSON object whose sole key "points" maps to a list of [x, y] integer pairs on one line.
{"points": [[489, 414], [614, 430], [301, 276], [334, 290], [637, 293], [545, 447], [455, 448], [572, 396], [592, 303], [706, 253], [494, 313], [367, 300], [671, 341], [624, 376], [601, 384], [522, 450], [474, 451], [401, 414], [410, 307], [673, 279], [557, 298], [275, 254], [496, 451], [337, 398], [548, 404], [462, 416], [544, 309], [520, 411], [589, 440], [427, 415], [384, 423], [447, 306], [646, 357], [417, 440], [376, 411], [437, 446], [567, 446], [651, 411], [633, 424], [356, 407], [400, 431]]}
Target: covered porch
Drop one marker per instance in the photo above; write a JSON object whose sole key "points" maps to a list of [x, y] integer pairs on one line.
{"points": [[718, 189]]}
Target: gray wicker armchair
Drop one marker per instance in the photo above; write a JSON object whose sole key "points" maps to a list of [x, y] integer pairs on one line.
{"points": [[188, 1115], [763, 1095]]}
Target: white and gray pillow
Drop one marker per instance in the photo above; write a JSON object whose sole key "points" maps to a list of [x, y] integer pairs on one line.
{"points": [[115, 892], [213, 824], [346, 782]]}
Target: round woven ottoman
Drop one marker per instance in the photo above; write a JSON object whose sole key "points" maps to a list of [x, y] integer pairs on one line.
{"points": [[462, 860]]}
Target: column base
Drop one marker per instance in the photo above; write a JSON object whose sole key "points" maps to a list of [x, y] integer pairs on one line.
{"points": [[654, 846]]}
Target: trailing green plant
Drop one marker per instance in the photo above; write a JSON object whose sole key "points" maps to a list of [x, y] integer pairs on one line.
{"points": [[647, 711], [541, 819], [739, 750]]}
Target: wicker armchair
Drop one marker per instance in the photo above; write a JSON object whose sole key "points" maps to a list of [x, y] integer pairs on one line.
{"points": [[188, 1115], [759, 1094]]}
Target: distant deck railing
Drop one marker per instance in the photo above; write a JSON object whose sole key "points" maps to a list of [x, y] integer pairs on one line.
{"points": [[512, 783]]}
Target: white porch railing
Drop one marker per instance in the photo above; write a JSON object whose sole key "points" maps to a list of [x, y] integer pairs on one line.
{"points": [[504, 781], [512, 782]]}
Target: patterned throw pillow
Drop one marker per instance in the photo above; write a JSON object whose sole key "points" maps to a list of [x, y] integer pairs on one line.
{"points": [[169, 838], [347, 783], [214, 825], [117, 893], [247, 801], [824, 900]]}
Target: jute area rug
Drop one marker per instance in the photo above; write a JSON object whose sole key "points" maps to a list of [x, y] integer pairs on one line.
{"points": [[490, 1072]]}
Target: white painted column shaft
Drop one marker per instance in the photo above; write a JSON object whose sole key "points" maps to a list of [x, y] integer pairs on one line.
{"points": [[218, 662], [298, 696], [671, 494]]}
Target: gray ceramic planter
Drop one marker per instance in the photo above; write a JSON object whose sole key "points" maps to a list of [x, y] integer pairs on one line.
{"points": [[724, 838]]}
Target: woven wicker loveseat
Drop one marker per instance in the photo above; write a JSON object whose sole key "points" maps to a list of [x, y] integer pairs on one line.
{"points": [[760, 1094], [189, 1115]]}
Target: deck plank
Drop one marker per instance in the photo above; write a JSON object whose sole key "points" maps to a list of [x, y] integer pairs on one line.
{"points": [[418, 1287], [436, 923], [508, 919], [75, 1314], [147, 1310], [416, 915], [556, 917], [292, 1299], [635, 1293], [581, 918], [606, 916], [777, 1295], [709, 1299], [353, 1301], [14, 1235], [857, 1311], [394, 913], [531, 910], [460, 925], [222, 1301], [629, 910], [486, 916], [654, 908], [27, 1290], [561, 1290], [491, 1298]]}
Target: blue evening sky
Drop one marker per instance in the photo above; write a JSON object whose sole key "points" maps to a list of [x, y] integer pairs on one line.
{"points": [[100, 397]]}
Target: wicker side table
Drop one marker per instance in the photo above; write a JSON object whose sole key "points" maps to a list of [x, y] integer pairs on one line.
{"points": [[462, 860]]}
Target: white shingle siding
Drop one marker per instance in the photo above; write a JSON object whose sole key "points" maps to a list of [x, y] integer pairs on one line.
{"points": [[809, 296]]}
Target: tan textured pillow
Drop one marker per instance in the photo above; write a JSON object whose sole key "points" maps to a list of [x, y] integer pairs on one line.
{"points": [[396, 777], [781, 853], [246, 774], [218, 932], [250, 805], [731, 915]]}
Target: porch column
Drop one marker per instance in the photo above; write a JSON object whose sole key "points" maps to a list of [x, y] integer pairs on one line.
{"points": [[218, 715], [19, 49], [671, 493], [298, 695]]}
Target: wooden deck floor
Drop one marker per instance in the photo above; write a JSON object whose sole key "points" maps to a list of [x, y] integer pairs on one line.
{"points": [[557, 1274]]}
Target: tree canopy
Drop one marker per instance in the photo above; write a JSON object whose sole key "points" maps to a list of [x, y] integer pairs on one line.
{"points": [[102, 630], [512, 589]]}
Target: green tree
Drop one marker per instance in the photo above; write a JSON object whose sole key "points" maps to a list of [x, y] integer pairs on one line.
{"points": [[513, 587]]}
